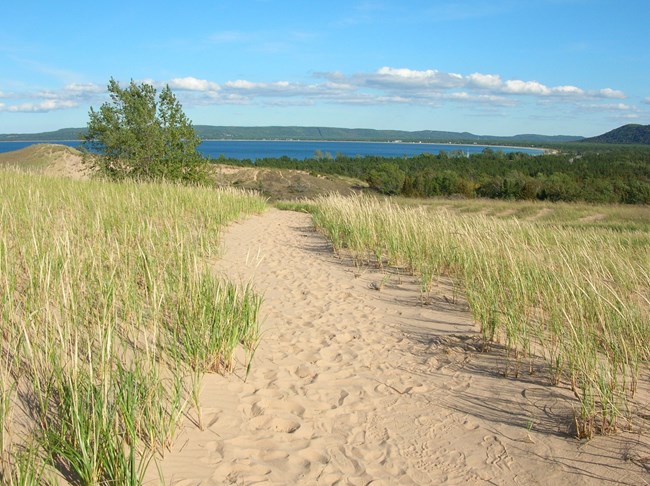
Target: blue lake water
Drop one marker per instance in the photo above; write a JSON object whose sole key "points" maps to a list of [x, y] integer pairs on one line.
{"points": [[258, 149]]}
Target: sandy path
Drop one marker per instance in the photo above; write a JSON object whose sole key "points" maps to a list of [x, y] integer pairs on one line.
{"points": [[352, 385]]}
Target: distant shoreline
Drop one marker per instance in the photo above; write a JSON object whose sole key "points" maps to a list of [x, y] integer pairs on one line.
{"points": [[451, 145], [457, 144], [304, 140]]}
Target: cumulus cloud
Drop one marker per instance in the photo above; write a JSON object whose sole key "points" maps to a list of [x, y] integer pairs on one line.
{"points": [[241, 84], [494, 83], [73, 91], [285, 89], [647, 100], [389, 76], [84, 88], [42, 107], [568, 91], [516, 86], [622, 111], [193, 84], [71, 95], [609, 93], [385, 85], [614, 107], [484, 81], [434, 83]]}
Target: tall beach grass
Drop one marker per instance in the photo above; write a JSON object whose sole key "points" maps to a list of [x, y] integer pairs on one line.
{"points": [[576, 295], [109, 314]]}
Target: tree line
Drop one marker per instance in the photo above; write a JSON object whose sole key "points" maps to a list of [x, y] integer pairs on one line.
{"points": [[593, 174]]}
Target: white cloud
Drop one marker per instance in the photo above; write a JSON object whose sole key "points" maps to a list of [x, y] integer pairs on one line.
{"points": [[615, 107], [616, 110], [193, 84], [485, 81], [390, 85], [69, 96], [276, 88], [332, 85], [242, 84], [386, 85], [84, 88], [568, 91], [150, 81], [609, 93], [647, 100], [388, 76], [433, 82], [79, 92], [43, 106], [516, 86]]}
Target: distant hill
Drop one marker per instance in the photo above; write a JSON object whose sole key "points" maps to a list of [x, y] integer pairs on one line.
{"points": [[210, 132], [56, 136], [627, 134]]}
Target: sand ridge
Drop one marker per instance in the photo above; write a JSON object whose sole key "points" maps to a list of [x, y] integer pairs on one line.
{"points": [[358, 381]]}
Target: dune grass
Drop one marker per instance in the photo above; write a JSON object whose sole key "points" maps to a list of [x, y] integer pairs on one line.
{"points": [[577, 295], [109, 315], [622, 217]]}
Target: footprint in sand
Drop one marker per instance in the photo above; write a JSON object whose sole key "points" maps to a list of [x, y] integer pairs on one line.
{"points": [[375, 432], [344, 462], [496, 453], [313, 456], [345, 337], [272, 407], [277, 424], [215, 451], [306, 372], [469, 425]]}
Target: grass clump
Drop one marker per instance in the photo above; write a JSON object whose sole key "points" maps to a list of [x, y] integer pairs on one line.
{"points": [[574, 294], [102, 283]]}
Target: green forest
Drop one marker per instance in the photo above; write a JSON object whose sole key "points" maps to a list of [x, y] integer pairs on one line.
{"points": [[577, 172]]}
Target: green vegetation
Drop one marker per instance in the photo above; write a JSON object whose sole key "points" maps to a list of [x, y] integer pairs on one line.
{"points": [[33, 160], [595, 174], [144, 138], [575, 296], [55, 136], [627, 134], [362, 134], [106, 293]]}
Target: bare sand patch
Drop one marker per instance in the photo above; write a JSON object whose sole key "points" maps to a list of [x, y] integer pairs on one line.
{"points": [[358, 380]]}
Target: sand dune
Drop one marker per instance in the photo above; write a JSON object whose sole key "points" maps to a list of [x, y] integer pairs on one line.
{"points": [[358, 381], [49, 159]]}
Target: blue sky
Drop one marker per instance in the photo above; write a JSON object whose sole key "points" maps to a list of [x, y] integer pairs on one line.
{"points": [[493, 67]]}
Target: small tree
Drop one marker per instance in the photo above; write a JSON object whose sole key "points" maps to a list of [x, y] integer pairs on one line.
{"points": [[387, 179], [142, 137]]}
